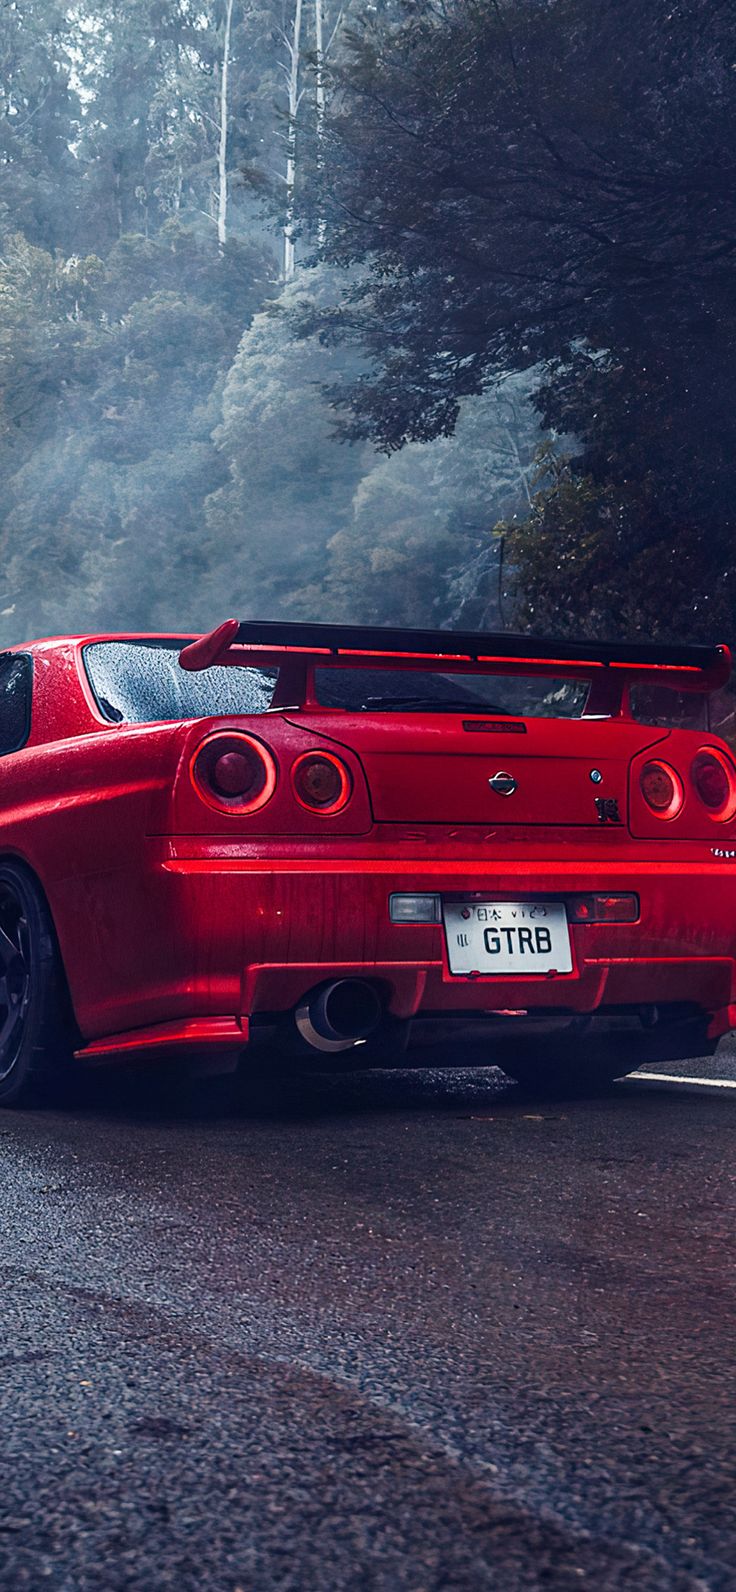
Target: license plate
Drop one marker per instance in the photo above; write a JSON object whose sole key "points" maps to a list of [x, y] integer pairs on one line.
{"points": [[507, 937]]}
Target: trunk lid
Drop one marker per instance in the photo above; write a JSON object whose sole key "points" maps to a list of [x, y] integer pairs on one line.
{"points": [[439, 768]]}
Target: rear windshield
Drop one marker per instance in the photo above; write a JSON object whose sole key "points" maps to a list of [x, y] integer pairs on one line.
{"points": [[404, 689], [668, 709], [140, 682]]}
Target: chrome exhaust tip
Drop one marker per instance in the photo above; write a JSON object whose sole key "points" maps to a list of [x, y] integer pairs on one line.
{"points": [[339, 1015]]}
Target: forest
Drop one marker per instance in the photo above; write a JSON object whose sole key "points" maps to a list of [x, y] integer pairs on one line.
{"points": [[411, 311]]}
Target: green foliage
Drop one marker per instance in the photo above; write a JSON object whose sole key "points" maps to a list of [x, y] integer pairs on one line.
{"points": [[601, 557], [290, 483], [306, 525], [147, 136], [109, 403], [421, 517], [553, 186], [119, 313], [167, 451], [39, 113]]}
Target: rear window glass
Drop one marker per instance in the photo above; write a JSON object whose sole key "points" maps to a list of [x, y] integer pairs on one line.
{"points": [[723, 713], [16, 684], [137, 682], [516, 695], [668, 709]]}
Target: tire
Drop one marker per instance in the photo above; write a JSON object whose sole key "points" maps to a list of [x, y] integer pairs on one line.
{"points": [[570, 1078], [34, 1019], [588, 1065]]}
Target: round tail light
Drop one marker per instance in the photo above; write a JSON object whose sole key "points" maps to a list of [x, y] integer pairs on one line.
{"points": [[234, 772], [662, 789], [321, 782], [714, 779]]}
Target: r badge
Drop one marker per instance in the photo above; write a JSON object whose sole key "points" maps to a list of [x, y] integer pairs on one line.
{"points": [[607, 810]]}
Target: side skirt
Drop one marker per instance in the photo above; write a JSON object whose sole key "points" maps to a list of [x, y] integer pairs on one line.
{"points": [[193, 1034]]}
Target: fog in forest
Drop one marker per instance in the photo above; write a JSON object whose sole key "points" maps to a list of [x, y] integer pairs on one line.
{"points": [[394, 312]]}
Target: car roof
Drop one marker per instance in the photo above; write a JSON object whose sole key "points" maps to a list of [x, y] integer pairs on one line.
{"points": [[89, 638]]}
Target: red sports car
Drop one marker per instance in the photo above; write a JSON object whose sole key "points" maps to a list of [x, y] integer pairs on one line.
{"points": [[324, 841]]}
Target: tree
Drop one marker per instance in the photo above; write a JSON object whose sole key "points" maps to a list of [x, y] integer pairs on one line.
{"points": [[118, 326], [151, 126], [222, 173], [417, 548], [306, 525], [110, 379], [293, 43], [554, 186], [290, 483], [164, 454], [39, 117]]}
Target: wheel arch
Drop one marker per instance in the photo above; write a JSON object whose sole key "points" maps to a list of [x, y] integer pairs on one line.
{"points": [[25, 866]]}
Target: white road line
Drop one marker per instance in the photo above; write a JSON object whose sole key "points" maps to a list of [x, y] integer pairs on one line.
{"points": [[670, 1077]]}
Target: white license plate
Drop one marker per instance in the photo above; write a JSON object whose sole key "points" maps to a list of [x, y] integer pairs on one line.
{"points": [[507, 937]]}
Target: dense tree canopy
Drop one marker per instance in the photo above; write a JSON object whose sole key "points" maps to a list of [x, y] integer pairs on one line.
{"points": [[555, 185], [338, 531], [166, 449], [457, 204], [39, 117], [418, 543], [110, 376], [289, 486]]}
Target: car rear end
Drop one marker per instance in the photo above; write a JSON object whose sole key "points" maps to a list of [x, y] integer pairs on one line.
{"points": [[420, 832]]}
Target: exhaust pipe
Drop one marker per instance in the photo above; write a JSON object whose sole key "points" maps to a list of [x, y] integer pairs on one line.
{"points": [[338, 1015]]}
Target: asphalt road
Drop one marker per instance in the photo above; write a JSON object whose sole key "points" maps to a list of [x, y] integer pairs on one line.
{"points": [[398, 1332]]}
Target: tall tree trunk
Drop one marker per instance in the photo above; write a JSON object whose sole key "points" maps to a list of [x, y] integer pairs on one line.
{"points": [[222, 146], [319, 50], [293, 47], [118, 200]]}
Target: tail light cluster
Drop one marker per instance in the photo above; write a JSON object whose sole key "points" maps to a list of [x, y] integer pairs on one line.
{"points": [[321, 782], [712, 780], [662, 789], [234, 772]]}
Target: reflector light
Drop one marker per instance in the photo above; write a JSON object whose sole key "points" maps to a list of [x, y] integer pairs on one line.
{"points": [[581, 910], [714, 779], [321, 782], [616, 908], [621, 907], [233, 772], [662, 789], [414, 908]]}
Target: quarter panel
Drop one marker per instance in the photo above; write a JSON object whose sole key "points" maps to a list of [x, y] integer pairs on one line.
{"points": [[77, 812]]}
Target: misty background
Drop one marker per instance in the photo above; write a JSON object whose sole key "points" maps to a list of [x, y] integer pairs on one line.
{"points": [[404, 312]]}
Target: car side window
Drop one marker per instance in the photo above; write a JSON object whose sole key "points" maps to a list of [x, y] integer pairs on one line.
{"points": [[16, 681]]}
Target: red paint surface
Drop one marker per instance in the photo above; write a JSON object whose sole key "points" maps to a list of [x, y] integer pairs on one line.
{"points": [[169, 912]]}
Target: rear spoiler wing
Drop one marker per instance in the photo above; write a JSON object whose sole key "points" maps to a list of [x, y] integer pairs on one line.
{"points": [[271, 642]]}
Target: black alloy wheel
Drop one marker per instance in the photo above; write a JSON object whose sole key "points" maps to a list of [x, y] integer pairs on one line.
{"points": [[34, 1027]]}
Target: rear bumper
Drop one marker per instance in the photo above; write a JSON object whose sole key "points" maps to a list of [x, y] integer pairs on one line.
{"points": [[229, 939]]}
